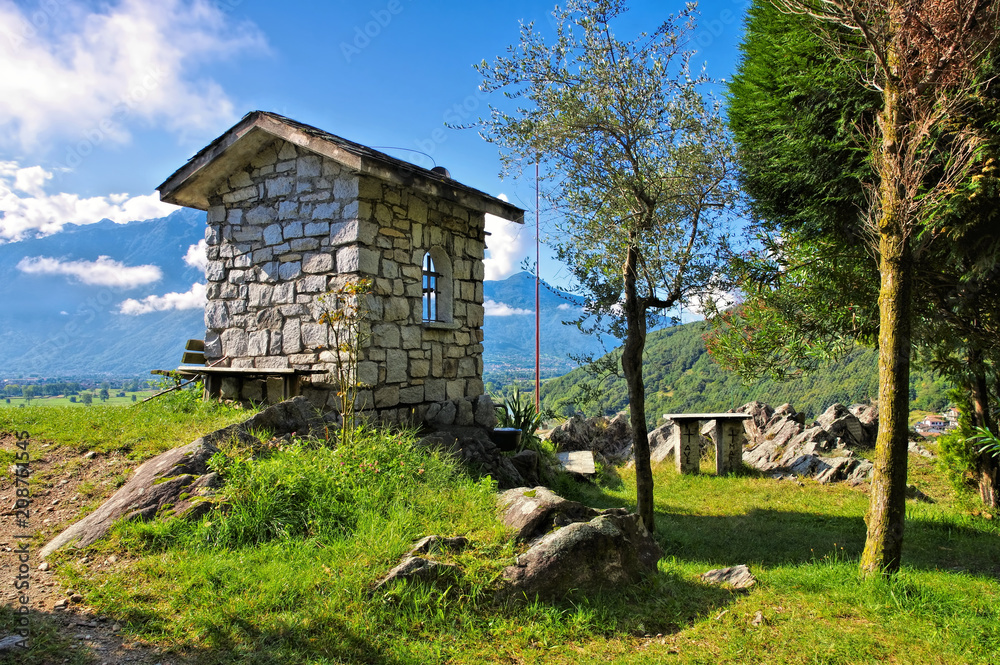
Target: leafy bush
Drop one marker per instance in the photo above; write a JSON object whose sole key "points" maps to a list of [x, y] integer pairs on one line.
{"points": [[957, 458]]}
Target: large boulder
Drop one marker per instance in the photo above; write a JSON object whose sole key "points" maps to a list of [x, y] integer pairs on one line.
{"points": [[661, 445], [841, 424], [532, 512], [159, 484], [756, 425], [782, 444], [606, 553], [867, 415], [611, 438]]}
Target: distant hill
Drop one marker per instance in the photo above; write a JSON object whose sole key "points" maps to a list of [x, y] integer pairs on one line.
{"points": [[681, 377], [509, 330], [55, 325]]}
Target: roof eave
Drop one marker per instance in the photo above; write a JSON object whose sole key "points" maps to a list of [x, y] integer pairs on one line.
{"points": [[192, 184]]}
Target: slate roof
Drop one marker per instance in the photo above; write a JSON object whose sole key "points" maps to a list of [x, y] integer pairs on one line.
{"points": [[191, 184]]}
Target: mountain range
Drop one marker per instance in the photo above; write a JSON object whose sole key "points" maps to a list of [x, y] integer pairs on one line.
{"points": [[681, 377], [62, 305]]}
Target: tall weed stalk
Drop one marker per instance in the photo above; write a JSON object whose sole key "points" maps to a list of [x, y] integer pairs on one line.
{"points": [[346, 310]]}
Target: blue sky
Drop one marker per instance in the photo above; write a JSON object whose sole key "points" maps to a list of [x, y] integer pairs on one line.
{"points": [[101, 101]]}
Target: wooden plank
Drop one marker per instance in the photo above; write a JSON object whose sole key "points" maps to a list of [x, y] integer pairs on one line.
{"points": [[193, 358], [195, 345], [248, 371], [580, 461]]}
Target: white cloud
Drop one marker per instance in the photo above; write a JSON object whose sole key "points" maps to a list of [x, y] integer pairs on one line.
{"points": [[31, 180], [565, 306], [494, 308], [197, 256], [508, 244], [102, 272], [85, 73], [44, 214], [193, 299]]}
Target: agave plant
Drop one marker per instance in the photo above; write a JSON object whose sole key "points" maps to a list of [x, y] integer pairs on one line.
{"points": [[518, 411]]}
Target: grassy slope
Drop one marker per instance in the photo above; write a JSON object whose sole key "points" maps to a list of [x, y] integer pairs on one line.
{"points": [[681, 377], [286, 575], [140, 430]]}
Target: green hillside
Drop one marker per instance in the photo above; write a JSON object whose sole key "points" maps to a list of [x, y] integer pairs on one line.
{"points": [[682, 377]]}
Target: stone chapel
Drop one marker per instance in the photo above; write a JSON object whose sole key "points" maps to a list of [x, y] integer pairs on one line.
{"points": [[293, 209]]}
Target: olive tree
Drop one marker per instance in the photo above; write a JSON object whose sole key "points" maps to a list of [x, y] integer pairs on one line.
{"points": [[638, 165]]}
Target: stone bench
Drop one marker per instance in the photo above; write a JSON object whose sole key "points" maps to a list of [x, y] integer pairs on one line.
{"points": [[728, 436]]}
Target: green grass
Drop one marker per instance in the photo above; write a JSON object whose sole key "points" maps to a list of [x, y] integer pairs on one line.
{"points": [[138, 430], [285, 572], [17, 402]]}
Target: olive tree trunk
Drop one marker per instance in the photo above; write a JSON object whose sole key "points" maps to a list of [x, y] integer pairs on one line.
{"points": [[632, 350]]}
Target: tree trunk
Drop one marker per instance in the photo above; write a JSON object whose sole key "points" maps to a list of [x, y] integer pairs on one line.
{"points": [[987, 466], [887, 507], [635, 343]]}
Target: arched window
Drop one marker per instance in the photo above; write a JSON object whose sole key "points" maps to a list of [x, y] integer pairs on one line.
{"points": [[437, 287]]}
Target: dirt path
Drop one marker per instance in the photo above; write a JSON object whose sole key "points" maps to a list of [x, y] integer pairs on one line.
{"points": [[64, 486]]}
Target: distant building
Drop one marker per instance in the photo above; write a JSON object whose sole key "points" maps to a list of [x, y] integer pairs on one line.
{"points": [[934, 425]]}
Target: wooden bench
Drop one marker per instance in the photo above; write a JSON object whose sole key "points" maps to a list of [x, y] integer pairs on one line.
{"points": [[193, 365], [728, 436]]}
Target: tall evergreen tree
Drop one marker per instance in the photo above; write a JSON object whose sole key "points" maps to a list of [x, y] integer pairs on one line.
{"points": [[911, 67]]}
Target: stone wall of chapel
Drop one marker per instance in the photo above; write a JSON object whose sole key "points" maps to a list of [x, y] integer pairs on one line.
{"points": [[292, 224]]}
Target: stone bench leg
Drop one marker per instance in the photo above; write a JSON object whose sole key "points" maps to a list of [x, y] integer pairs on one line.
{"points": [[687, 446], [213, 387], [729, 437]]}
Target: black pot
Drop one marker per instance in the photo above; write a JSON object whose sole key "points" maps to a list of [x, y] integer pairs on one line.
{"points": [[506, 438]]}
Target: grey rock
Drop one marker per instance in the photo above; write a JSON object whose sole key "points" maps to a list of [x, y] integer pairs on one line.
{"points": [[434, 544], [12, 642], [737, 577], [445, 416], [418, 568], [464, 416], [844, 425], [485, 412], [609, 437], [757, 425], [661, 445], [606, 553], [473, 448], [528, 464], [534, 511], [782, 445]]}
